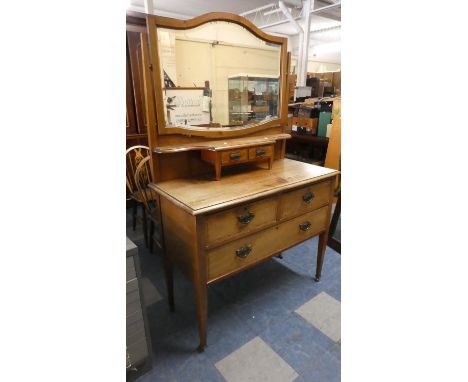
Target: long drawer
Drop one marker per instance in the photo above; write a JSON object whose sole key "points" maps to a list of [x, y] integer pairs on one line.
{"points": [[240, 220], [245, 251], [304, 199]]}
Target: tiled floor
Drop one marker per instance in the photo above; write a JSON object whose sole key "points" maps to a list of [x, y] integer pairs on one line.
{"points": [[269, 323]]}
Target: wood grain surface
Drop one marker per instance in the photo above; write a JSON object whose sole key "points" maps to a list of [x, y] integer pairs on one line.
{"points": [[201, 194]]}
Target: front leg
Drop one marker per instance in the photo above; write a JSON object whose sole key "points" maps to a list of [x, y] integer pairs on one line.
{"points": [[201, 299], [169, 272], [322, 245]]}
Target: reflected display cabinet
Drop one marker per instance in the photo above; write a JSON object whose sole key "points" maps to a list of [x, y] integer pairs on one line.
{"points": [[252, 98], [219, 223]]}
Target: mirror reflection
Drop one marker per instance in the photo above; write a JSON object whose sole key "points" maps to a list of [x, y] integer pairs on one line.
{"points": [[218, 76]]}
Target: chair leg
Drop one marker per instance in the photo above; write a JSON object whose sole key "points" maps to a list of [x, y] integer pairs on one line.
{"points": [[135, 206], [145, 226]]}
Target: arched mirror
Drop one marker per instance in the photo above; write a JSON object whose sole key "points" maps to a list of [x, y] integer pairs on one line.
{"points": [[216, 74]]}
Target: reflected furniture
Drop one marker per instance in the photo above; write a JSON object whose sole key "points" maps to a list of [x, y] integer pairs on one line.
{"points": [[252, 98], [263, 203]]}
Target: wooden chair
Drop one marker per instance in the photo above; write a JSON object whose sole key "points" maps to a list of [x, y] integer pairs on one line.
{"points": [[143, 177], [134, 155]]}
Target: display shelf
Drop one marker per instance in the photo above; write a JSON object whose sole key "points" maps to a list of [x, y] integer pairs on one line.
{"points": [[220, 145]]}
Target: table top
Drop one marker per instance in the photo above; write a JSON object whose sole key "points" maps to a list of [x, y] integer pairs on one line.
{"points": [[239, 184]]}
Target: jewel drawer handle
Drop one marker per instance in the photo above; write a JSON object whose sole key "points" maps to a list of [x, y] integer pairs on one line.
{"points": [[308, 197], [260, 152], [305, 226], [235, 156], [244, 251], [246, 218]]}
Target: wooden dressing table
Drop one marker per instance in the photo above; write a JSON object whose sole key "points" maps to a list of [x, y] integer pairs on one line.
{"points": [[261, 204], [214, 230]]}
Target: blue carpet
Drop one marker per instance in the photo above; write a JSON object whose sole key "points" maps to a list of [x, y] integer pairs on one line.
{"points": [[257, 302]]}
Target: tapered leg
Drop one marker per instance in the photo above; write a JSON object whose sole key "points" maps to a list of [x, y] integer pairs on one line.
{"points": [[322, 245], [145, 226], [201, 300], [168, 269], [135, 206], [218, 169]]}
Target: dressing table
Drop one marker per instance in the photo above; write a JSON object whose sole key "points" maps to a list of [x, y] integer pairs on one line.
{"points": [[228, 199]]}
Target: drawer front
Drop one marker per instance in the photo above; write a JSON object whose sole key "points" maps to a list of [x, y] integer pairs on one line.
{"points": [[304, 199], [260, 152], [240, 253], [137, 352], [234, 156], [131, 274], [240, 220], [133, 297], [135, 332]]}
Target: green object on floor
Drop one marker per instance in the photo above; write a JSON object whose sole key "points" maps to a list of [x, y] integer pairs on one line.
{"points": [[324, 120]]}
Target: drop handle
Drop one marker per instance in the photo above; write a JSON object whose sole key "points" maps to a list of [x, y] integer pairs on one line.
{"points": [[260, 152], [305, 226], [308, 197], [245, 218], [243, 251], [235, 156]]}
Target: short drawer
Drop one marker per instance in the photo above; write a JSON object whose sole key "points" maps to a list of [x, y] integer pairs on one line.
{"points": [[248, 250], [240, 220], [304, 199], [234, 156], [261, 152]]}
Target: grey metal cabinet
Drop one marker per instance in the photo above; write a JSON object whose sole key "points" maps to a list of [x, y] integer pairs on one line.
{"points": [[138, 338]]}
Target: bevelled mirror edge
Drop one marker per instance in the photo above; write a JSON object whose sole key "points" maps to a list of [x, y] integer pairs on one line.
{"points": [[155, 22]]}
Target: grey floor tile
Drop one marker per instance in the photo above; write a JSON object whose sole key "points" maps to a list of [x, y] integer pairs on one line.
{"points": [[255, 361], [151, 294], [324, 312]]}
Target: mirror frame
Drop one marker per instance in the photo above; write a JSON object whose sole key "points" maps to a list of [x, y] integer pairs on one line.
{"points": [[154, 22]]}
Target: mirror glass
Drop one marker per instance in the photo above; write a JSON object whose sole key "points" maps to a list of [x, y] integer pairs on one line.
{"points": [[218, 76]]}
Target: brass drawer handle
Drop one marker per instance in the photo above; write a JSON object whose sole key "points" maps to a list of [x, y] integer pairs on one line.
{"points": [[308, 197], [235, 156], [260, 152], [246, 218], [305, 226], [243, 251]]}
